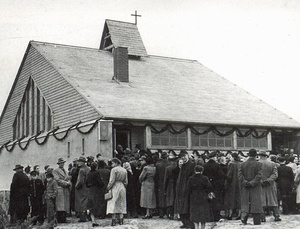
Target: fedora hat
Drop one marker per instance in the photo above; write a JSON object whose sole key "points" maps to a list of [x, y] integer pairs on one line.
{"points": [[60, 161], [81, 158], [212, 154], [262, 153], [18, 167]]}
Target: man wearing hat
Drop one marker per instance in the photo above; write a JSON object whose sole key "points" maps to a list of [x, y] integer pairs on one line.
{"points": [[19, 191], [182, 200], [285, 182], [63, 191], [250, 174], [74, 176], [269, 189], [216, 177], [81, 190], [161, 165], [171, 175]]}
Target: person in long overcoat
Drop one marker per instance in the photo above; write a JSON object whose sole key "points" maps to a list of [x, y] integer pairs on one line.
{"points": [[182, 200], [198, 189], [94, 184], [269, 189], [117, 184], [148, 198], [161, 165], [63, 191], [105, 174], [74, 176], [216, 177], [233, 187], [285, 183], [19, 192], [250, 175], [171, 175], [81, 191]]}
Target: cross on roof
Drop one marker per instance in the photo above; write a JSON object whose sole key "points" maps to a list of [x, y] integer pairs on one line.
{"points": [[136, 15]]}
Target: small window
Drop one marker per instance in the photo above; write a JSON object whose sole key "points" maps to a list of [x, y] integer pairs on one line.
{"points": [[211, 139]]}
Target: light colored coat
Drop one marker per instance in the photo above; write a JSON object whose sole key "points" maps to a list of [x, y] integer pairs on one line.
{"points": [[63, 190], [148, 198], [269, 193]]}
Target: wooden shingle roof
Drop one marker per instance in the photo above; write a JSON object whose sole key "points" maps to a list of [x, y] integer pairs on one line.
{"points": [[123, 34], [161, 89]]}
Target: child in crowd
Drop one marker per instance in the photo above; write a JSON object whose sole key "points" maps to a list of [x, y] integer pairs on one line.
{"points": [[36, 191]]}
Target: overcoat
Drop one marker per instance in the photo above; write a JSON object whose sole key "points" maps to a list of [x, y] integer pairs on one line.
{"points": [[269, 192], [19, 192], [81, 191], [148, 198], [170, 184], [216, 177], [233, 187], [105, 174], [159, 182], [250, 171], [197, 190], [182, 199], [63, 190], [94, 184], [285, 180], [117, 183]]}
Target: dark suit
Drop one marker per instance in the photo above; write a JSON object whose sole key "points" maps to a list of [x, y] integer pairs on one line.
{"points": [[216, 177], [285, 182]]}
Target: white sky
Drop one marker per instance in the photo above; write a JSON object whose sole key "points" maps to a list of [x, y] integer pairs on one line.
{"points": [[253, 43]]}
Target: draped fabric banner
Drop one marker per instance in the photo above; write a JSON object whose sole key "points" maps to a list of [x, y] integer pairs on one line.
{"points": [[54, 134], [213, 129]]}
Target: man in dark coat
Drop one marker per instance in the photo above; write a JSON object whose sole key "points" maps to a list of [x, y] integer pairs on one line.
{"points": [[182, 200], [285, 183], [250, 175], [74, 176], [161, 165], [171, 175], [216, 177], [105, 174], [19, 192], [81, 192]]}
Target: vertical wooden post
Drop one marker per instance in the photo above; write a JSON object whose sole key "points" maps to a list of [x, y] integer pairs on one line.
{"points": [[148, 137], [189, 138], [269, 141], [235, 140]]}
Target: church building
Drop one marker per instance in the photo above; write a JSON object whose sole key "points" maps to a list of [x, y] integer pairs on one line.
{"points": [[69, 101]]}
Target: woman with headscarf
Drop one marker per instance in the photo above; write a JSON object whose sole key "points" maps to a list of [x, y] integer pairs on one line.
{"points": [[117, 184], [148, 198], [94, 183]]}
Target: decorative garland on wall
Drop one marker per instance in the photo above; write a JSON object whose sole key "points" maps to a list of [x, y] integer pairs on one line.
{"points": [[250, 131], [127, 124], [54, 134]]}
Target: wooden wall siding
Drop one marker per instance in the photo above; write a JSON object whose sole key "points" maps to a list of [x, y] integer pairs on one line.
{"points": [[67, 104]]}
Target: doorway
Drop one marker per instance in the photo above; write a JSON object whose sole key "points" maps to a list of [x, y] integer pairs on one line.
{"points": [[123, 138]]}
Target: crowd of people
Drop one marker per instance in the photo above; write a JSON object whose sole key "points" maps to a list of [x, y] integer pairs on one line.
{"points": [[193, 188]]}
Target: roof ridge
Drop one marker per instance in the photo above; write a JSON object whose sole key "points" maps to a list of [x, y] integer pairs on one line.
{"points": [[64, 45], [174, 58], [121, 21]]}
